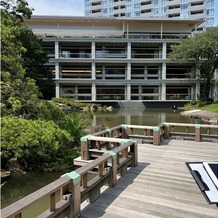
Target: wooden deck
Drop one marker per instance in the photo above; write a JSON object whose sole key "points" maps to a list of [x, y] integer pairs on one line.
{"points": [[160, 186]]}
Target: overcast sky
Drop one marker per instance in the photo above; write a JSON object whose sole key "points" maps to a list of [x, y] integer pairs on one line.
{"points": [[70, 7]]}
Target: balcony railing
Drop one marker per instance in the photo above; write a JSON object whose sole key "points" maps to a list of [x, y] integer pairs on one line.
{"points": [[75, 55], [144, 36]]}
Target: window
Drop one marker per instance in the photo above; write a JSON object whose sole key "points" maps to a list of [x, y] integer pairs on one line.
{"points": [[155, 11], [184, 6], [210, 21], [210, 12], [137, 5], [184, 15], [210, 3], [137, 13]]}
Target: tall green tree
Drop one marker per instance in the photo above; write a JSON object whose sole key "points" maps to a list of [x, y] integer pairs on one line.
{"points": [[18, 93], [202, 50], [21, 60]]}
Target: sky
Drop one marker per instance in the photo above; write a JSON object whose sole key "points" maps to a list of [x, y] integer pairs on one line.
{"points": [[71, 7], [57, 7]]}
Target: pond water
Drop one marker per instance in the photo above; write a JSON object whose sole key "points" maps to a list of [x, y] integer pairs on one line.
{"points": [[18, 186]]}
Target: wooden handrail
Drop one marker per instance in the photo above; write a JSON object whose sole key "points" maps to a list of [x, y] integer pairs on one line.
{"points": [[22, 204], [15, 209]]}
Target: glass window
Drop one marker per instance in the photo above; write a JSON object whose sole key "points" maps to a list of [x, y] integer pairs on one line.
{"points": [[128, 14], [137, 13], [155, 11], [210, 12], [163, 10], [129, 7], [184, 6], [105, 11], [156, 2], [210, 3], [137, 5], [184, 15], [210, 21]]}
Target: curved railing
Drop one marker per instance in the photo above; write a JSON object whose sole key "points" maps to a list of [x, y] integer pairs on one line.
{"points": [[119, 150]]}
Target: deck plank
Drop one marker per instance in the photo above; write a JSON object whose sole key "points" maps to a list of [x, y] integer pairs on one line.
{"points": [[160, 186]]}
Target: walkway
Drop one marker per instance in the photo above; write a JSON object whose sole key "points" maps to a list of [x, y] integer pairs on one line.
{"points": [[160, 186]]}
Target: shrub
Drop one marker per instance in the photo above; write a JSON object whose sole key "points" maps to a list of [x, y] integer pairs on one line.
{"points": [[34, 143], [75, 123]]}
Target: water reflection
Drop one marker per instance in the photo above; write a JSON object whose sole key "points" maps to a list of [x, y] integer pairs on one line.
{"points": [[148, 117]]}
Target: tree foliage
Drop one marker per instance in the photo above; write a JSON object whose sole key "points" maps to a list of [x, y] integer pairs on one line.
{"points": [[34, 143], [22, 58], [18, 93], [202, 50]]}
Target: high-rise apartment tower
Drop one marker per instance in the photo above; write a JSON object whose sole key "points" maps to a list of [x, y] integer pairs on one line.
{"points": [[184, 9]]}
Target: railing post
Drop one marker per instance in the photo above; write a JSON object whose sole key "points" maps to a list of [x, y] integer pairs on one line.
{"points": [[156, 136], [134, 150], [84, 147], [197, 132], [124, 131], [109, 135], [52, 202], [76, 195], [166, 131], [19, 215], [113, 181]]}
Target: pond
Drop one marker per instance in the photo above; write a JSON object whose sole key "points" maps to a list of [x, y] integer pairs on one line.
{"points": [[19, 186]]}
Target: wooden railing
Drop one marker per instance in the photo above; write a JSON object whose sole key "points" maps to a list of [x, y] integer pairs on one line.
{"points": [[77, 183], [119, 150]]}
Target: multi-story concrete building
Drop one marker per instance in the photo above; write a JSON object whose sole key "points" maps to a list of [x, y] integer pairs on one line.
{"points": [[122, 61], [185, 9]]}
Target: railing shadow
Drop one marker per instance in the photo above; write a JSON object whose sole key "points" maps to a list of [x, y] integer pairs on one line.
{"points": [[110, 194]]}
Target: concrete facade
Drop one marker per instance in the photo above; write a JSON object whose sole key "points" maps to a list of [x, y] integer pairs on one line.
{"points": [[185, 9], [120, 61]]}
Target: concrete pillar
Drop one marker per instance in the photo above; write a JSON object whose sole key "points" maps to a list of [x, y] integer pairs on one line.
{"points": [[76, 92], [128, 71], [164, 70], [163, 97], [103, 72], [128, 93], [93, 50], [164, 51], [129, 50], [57, 70], [197, 90], [57, 90], [145, 71], [56, 49], [140, 92], [93, 92], [93, 71]]}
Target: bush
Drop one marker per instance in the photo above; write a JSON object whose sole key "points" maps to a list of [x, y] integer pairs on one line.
{"points": [[49, 111], [76, 124], [34, 143]]}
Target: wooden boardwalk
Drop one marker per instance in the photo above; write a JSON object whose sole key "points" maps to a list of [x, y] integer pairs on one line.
{"points": [[160, 186]]}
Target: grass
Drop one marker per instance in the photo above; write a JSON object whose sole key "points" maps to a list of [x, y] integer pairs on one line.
{"points": [[210, 107]]}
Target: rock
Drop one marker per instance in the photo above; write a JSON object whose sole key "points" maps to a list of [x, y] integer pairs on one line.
{"points": [[110, 108], [207, 116]]}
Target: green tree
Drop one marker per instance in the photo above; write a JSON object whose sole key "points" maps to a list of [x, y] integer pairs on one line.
{"points": [[35, 59], [21, 60], [202, 50], [35, 144], [18, 93]]}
